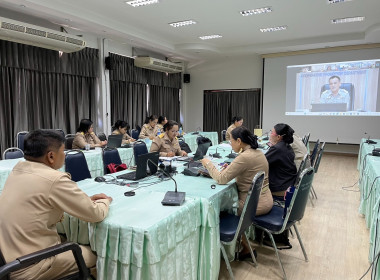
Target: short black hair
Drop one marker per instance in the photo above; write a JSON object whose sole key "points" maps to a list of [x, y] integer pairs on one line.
{"points": [[84, 125], [236, 119], [150, 118], [169, 125], [285, 131], [334, 77], [161, 119], [38, 142], [120, 123]]}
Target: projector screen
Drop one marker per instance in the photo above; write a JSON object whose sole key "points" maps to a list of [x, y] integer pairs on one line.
{"points": [[333, 95], [347, 88]]}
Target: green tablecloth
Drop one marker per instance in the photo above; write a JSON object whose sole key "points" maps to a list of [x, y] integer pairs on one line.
{"points": [[369, 169]]}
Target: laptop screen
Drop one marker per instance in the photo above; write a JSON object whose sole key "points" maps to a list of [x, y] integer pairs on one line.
{"points": [[143, 162], [201, 150], [114, 141]]}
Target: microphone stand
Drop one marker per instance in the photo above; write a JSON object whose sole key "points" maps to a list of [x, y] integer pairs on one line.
{"points": [[171, 198], [369, 141], [217, 155]]}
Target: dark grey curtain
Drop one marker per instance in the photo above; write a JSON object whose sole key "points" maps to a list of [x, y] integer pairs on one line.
{"points": [[129, 95], [220, 106], [164, 101], [41, 89]]}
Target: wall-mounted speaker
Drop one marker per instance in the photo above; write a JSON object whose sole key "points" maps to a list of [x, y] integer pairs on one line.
{"points": [[108, 63], [186, 78]]}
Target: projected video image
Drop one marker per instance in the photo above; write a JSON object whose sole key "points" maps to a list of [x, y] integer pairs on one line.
{"points": [[338, 89]]}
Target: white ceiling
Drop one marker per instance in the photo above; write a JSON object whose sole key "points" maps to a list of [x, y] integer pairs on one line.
{"points": [[147, 27]]}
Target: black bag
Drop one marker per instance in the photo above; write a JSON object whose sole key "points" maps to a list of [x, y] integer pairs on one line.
{"points": [[202, 140], [184, 146]]}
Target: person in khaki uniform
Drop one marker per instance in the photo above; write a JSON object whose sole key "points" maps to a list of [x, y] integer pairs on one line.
{"points": [[120, 128], [33, 201], [299, 150], [236, 122], [149, 129], [167, 143], [162, 120], [243, 168], [85, 135]]}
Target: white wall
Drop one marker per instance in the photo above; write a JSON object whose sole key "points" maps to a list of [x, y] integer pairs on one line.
{"points": [[224, 73]]}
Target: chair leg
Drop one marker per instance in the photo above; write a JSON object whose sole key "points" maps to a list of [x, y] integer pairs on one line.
{"points": [[250, 250], [300, 241], [313, 190], [226, 260], [311, 200], [276, 251]]}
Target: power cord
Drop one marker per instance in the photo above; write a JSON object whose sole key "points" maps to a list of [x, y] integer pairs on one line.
{"points": [[349, 187], [377, 256], [374, 180]]}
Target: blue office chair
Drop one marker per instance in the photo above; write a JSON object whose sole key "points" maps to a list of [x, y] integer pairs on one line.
{"points": [[20, 139], [280, 219], [76, 165], [305, 139], [233, 227], [135, 134], [314, 153], [33, 258], [110, 155], [12, 153], [139, 148], [69, 138], [349, 87], [60, 131], [316, 166]]}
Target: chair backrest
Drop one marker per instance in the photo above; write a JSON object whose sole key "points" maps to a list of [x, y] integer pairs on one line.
{"points": [[102, 136], [76, 165], [223, 135], [314, 152], [20, 139], [303, 165], [110, 155], [300, 197], [248, 213], [305, 139], [319, 156], [135, 134], [3, 262], [349, 87], [138, 128], [12, 153], [139, 148]]}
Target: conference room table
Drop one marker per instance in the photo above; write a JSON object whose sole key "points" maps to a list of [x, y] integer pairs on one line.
{"points": [[95, 161], [142, 239], [369, 184]]}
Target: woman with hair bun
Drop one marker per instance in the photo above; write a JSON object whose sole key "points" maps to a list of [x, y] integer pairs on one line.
{"points": [[243, 169], [120, 128], [85, 135], [280, 156], [236, 122], [167, 143], [149, 129]]}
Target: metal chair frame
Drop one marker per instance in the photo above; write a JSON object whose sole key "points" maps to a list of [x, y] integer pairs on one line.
{"points": [[15, 151]]}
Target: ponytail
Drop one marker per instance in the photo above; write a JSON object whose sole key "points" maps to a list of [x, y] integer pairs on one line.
{"points": [[246, 136]]}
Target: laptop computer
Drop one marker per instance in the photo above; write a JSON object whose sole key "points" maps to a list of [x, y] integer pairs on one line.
{"points": [[141, 167], [114, 141], [199, 154], [328, 107]]}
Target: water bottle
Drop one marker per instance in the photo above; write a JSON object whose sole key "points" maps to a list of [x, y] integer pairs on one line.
{"points": [[180, 131], [158, 132]]}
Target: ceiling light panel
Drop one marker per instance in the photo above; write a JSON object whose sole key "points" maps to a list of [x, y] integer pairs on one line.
{"points": [[182, 23], [137, 3], [208, 37], [272, 29], [337, 1], [347, 20], [256, 11]]}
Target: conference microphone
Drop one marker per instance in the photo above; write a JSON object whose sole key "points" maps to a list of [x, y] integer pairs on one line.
{"points": [[171, 198], [266, 137], [197, 130], [369, 141], [216, 154], [232, 155]]}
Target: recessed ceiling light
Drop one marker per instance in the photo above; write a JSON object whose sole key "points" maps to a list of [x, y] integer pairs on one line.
{"points": [[256, 11], [22, 6], [208, 37], [182, 23], [137, 3], [337, 1], [272, 29], [348, 19]]}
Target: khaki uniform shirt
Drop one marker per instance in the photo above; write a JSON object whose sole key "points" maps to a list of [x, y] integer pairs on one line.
{"points": [[299, 150], [163, 145], [147, 131], [32, 203], [81, 139], [228, 133], [243, 168], [126, 138]]}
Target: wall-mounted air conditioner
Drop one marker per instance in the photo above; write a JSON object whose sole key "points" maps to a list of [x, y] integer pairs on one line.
{"points": [[158, 64], [20, 32]]}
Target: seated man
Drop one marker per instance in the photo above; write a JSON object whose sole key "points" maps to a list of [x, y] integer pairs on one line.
{"points": [[34, 198], [335, 94]]}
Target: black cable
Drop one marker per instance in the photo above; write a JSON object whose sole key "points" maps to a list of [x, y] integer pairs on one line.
{"points": [[349, 187], [374, 180], [374, 248], [370, 267]]}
